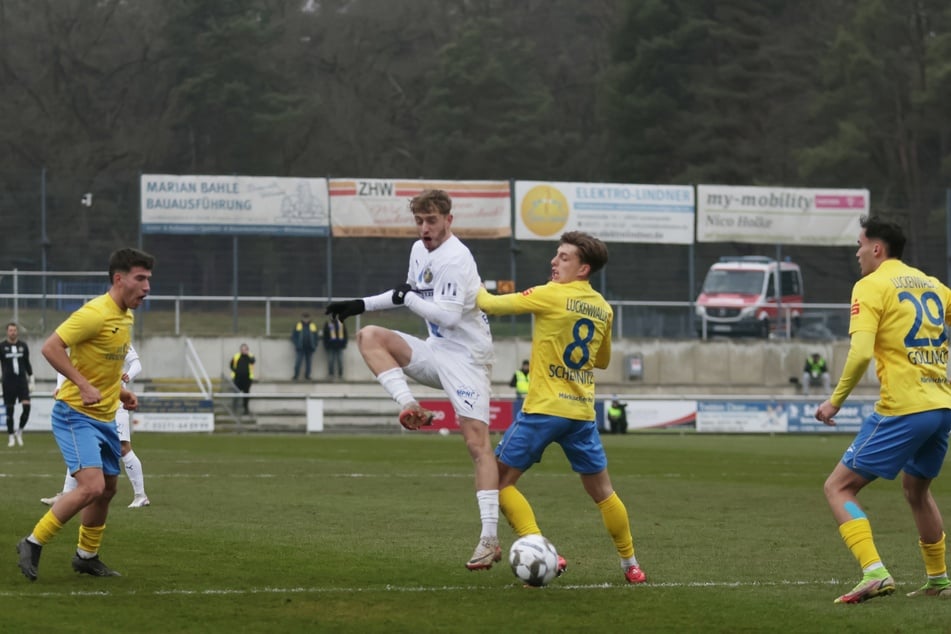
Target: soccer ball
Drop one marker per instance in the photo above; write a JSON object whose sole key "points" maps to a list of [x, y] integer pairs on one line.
{"points": [[534, 560]]}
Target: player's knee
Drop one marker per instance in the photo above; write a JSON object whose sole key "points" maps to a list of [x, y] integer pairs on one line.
{"points": [[915, 494], [371, 336], [110, 486], [833, 488], [91, 490], [480, 450]]}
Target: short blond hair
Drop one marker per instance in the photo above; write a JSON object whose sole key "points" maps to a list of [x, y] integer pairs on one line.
{"points": [[430, 201]]}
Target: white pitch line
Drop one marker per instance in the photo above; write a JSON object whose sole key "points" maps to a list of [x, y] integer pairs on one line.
{"points": [[153, 475], [403, 589]]}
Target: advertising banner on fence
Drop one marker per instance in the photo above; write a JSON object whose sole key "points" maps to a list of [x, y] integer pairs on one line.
{"points": [[500, 415], [802, 416], [653, 214], [780, 215], [163, 414], [154, 414], [177, 422], [374, 207], [741, 416], [231, 205], [648, 414]]}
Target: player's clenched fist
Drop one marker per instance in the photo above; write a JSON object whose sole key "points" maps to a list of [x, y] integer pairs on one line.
{"points": [[342, 310]]}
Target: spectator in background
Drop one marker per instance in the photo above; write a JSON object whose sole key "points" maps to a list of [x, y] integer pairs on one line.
{"points": [[335, 340], [17, 381], [242, 372], [520, 383], [816, 370], [617, 416], [304, 337]]}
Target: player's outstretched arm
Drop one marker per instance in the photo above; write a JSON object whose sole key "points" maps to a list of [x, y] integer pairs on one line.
{"points": [[384, 301], [508, 304]]}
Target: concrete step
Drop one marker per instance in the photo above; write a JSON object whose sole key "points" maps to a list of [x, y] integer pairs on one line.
{"points": [[176, 384]]}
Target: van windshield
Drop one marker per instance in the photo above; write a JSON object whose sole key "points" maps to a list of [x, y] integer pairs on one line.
{"points": [[740, 282]]}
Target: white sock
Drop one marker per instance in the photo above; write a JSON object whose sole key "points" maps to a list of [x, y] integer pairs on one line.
{"points": [[627, 563], [133, 469], [394, 382], [69, 483], [489, 511]]}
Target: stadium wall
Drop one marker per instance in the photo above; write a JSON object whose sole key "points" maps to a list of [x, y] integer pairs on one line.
{"points": [[716, 366]]}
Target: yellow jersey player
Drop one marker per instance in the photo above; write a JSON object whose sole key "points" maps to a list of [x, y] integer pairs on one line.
{"points": [[98, 336], [898, 316], [133, 466], [572, 337]]}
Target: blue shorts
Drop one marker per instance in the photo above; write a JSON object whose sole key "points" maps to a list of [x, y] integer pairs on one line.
{"points": [[525, 441], [84, 441], [913, 443]]}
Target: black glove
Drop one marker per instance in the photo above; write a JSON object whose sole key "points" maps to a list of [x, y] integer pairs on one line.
{"points": [[342, 310], [399, 293]]}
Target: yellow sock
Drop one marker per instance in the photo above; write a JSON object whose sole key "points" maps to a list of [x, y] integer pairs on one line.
{"points": [[518, 512], [614, 514], [90, 538], [933, 555], [47, 528], [857, 535]]}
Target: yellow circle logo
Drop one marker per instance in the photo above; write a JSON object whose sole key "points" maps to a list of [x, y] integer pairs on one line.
{"points": [[544, 210]]}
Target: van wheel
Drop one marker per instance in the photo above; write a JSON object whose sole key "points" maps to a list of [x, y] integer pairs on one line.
{"points": [[764, 328]]}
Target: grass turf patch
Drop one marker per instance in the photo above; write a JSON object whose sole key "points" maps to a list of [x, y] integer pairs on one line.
{"points": [[370, 534]]}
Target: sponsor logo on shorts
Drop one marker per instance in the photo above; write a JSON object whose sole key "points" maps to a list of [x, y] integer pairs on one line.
{"points": [[468, 395]]}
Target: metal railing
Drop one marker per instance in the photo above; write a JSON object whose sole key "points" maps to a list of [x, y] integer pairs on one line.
{"points": [[40, 312], [197, 369]]}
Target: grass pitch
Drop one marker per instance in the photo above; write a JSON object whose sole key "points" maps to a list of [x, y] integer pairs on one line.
{"points": [[369, 534]]}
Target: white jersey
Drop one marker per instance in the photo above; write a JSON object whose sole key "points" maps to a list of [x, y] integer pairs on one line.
{"points": [[448, 275]]}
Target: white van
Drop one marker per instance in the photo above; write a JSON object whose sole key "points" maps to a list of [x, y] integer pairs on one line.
{"points": [[739, 297]]}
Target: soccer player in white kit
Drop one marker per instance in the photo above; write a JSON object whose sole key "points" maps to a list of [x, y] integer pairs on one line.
{"points": [[441, 287], [131, 368]]}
